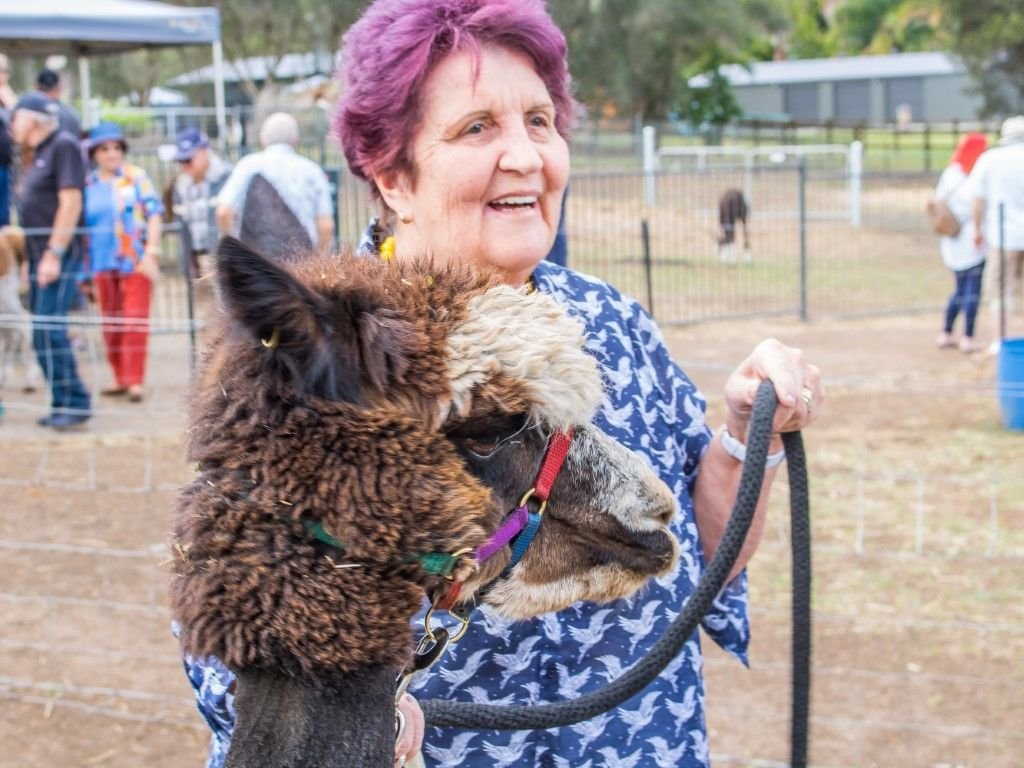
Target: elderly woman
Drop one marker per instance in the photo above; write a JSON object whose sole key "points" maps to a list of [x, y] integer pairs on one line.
{"points": [[457, 113], [124, 217]]}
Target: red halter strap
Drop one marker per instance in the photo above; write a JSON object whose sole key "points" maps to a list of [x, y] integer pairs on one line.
{"points": [[521, 525]]}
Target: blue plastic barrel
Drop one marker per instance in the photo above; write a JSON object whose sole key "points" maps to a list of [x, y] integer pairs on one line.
{"points": [[1010, 382]]}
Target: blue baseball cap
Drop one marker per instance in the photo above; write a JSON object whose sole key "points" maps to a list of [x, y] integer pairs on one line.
{"points": [[37, 101], [189, 141], [105, 132]]}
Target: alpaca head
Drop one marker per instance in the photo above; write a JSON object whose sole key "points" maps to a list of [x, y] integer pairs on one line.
{"points": [[403, 410]]}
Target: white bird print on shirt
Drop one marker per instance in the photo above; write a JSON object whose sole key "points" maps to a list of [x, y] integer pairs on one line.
{"points": [[663, 756], [591, 635], [521, 659], [641, 716], [589, 730], [683, 710], [621, 377], [591, 306], [552, 627], [568, 684], [668, 454], [458, 677], [532, 692], [561, 762], [619, 417], [700, 745], [456, 754], [670, 670], [612, 667], [612, 759], [696, 416], [482, 696], [495, 624], [642, 627], [507, 754]]}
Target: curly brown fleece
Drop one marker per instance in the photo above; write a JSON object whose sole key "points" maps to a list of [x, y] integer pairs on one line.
{"points": [[336, 424]]}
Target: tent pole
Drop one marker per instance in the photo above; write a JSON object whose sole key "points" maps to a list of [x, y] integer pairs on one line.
{"points": [[218, 94], [85, 87]]}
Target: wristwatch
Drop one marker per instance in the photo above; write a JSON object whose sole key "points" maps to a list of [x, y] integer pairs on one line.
{"points": [[738, 450]]}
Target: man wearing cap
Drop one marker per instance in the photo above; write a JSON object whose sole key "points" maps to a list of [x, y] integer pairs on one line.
{"points": [[997, 183], [48, 82], [196, 188], [49, 207]]}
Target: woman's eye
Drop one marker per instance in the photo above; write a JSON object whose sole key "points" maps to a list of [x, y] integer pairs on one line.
{"points": [[475, 128], [540, 121]]}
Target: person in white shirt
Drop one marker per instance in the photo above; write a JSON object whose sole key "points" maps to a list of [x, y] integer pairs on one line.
{"points": [[301, 184], [959, 252], [997, 183]]}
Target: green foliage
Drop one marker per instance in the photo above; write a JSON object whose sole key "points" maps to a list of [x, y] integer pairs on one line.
{"points": [[858, 21], [627, 55], [712, 107], [989, 36], [811, 36]]}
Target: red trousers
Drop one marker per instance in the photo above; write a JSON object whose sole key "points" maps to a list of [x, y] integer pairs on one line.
{"points": [[124, 302]]}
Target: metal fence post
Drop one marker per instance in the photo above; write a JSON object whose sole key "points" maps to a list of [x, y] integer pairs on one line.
{"points": [[802, 180], [1002, 272], [645, 240], [650, 148]]}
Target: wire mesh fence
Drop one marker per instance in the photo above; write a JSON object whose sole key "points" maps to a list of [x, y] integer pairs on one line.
{"points": [[918, 635]]}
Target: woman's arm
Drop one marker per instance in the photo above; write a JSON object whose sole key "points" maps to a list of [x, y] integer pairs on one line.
{"points": [[719, 475]]}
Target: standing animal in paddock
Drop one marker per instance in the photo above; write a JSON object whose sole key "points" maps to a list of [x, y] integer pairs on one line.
{"points": [[732, 209], [350, 420], [15, 320]]}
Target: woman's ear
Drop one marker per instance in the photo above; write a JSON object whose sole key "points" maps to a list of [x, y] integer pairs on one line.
{"points": [[396, 191]]}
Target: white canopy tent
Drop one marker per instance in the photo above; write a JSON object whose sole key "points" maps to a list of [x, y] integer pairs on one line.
{"points": [[98, 27]]}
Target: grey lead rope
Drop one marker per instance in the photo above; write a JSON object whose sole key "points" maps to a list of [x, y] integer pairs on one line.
{"points": [[454, 714]]}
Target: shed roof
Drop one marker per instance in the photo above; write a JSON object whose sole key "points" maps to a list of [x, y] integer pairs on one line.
{"points": [[838, 68]]}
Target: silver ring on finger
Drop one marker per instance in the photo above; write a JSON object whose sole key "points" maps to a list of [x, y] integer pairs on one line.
{"points": [[807, 396]]}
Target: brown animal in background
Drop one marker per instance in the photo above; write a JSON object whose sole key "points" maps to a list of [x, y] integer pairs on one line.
{"points": [[15, 321], [402, 410], [732, 209]]}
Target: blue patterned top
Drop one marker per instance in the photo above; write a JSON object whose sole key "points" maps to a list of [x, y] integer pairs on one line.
{"points": [[654, 409]]}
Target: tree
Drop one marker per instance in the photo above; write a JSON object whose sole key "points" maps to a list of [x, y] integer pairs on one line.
{"points": [[713, 106], [630, 53], [989, 36]]}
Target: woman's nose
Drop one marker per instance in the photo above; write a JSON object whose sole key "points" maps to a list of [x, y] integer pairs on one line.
{"points": [[520, 154]]}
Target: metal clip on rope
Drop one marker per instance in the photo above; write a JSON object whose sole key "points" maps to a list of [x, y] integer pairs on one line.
{"points": [[440, 713]]}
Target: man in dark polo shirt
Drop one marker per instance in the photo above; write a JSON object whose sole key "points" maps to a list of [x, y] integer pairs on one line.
{"points": [[49, 206]]}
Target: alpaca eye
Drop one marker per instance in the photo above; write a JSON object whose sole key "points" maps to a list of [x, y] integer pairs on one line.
{"points": [[485, 438]]}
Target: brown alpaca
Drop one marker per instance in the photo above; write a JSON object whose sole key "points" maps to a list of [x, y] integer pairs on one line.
{"points": [[405, 410]]}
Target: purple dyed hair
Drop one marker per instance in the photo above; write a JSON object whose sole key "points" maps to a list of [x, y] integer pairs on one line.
{"points": [[390, 52]]}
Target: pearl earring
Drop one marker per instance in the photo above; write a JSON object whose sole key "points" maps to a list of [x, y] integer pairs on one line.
{"points": [[404, 217]]}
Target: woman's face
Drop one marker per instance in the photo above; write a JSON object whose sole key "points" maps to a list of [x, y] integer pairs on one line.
{"points": [[108, 156], [490, 167]]}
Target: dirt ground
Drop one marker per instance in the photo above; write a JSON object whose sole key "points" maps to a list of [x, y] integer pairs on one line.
{"points": [[919, 549]]}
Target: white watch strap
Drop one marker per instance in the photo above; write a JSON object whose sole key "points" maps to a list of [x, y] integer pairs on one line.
{"points": [[738, 450]]}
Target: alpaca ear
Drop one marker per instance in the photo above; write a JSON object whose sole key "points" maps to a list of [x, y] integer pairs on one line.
{"points": [[335, 347], [265, 298]]}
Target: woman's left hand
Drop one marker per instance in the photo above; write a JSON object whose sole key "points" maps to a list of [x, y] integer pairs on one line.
{"points": [[150, 265], [797, 385], [411, 739]]}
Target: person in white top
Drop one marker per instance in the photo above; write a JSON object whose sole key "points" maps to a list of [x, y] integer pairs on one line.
{"points": [[959, 252], [997, 183], [301, 184]]}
